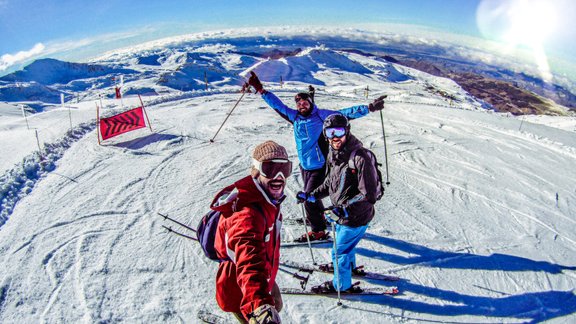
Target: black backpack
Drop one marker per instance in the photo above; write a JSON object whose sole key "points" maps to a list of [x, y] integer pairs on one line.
{"points": [[380, 189]]}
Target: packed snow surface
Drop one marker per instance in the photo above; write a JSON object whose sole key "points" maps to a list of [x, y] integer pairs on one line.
{"points": [[479, 219]]}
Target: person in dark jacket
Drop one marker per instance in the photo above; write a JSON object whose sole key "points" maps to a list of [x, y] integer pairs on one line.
{"points": [[248, 236], [307, 120], [353, 193]]}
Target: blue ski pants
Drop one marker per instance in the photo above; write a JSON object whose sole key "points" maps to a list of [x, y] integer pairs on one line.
{"points": [[346, 240]]}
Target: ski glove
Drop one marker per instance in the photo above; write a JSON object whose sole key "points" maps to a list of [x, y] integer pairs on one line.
{"points": [[335, 214], [265, 314], [377, 104], [253, 81], [302, 196]]}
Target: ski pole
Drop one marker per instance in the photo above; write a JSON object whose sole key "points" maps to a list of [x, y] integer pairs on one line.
{"points": [[385, 149], [337, 273], [303, 280], [169, 229], [230, 113], [306, 233], [166, 217]]}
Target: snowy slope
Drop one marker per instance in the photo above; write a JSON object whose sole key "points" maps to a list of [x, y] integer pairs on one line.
{"points": [[470, 220]]}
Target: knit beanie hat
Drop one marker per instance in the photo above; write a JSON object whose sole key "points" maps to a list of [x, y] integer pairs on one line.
{"points": [[267, 151], [305, 96]]}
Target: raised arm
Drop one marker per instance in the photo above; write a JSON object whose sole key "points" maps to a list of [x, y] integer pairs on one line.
{"points": [[274, 102]]}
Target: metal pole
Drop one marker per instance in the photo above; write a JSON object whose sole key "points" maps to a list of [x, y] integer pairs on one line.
{"points": [[230, 113], [385, 149], [336, 271], [98, 123], [306, 233], [25, 118], [39, 148], [69, 112], [145, 113]]}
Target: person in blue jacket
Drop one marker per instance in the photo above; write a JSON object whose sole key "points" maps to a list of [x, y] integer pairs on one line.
{"points": [[307, 120]]}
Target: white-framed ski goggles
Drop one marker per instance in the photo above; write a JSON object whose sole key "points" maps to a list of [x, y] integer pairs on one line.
{"points": [[271, 169]]}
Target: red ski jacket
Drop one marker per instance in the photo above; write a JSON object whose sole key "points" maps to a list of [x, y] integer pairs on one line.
{"points": [[249, 235]]}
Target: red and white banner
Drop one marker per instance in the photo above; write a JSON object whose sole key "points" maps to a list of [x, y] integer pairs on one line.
{"points": [[122, 123]]}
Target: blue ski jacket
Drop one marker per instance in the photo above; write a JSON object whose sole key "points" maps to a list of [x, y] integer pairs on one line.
{"points": [[310, 144]]}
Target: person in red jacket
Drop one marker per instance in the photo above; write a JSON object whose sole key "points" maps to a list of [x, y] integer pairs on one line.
{"points": [[249, 237]]}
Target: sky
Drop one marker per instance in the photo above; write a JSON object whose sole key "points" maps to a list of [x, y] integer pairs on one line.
{"points": [[77, 30]]}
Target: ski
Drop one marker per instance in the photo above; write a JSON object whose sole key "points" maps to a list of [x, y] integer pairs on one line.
{"points": [[208, 317], [366, 275], [292, 243], [294, 221], [365, 291], [303, 280]]}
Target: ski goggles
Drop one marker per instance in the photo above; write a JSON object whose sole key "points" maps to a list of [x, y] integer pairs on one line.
{"points": [[273, 168], [332, 132], [298, 98]]}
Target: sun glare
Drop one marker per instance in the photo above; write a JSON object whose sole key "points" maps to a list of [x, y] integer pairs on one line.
{"points": [[531, 22], [520, 24]]}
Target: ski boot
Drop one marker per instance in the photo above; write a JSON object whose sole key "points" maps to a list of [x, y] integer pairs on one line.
{"points": [[314, 236]]}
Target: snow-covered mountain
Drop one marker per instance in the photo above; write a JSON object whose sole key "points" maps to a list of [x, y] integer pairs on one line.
{"points": [[216, 62], [478, 219], [184, 69]]}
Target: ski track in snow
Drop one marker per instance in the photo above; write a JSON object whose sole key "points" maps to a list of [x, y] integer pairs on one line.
{"points": [[472, 238]]}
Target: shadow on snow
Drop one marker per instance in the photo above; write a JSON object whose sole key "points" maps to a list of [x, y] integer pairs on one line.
{"points": [[455, 260], [531, 306], [142, 142]]}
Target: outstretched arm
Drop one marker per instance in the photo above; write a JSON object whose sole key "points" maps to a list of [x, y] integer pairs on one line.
{"points": [[363, 110], [272, 101], [275, 103], [355, 111]]}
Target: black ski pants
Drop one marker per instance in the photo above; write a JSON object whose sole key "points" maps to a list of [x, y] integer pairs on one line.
{"points": [[314, 211]]}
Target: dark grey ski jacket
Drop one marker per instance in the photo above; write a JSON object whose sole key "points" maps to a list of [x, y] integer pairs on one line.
{"points": [[354, 189]]}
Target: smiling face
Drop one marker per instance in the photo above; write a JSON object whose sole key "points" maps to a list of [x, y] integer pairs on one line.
{"points": [[337, 142], [273, 187], [304, 107]]}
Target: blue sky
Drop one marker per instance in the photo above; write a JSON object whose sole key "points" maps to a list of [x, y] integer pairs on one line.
{"points": [[74, 30]]}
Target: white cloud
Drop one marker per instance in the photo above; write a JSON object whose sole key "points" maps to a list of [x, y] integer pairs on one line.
{"points": [[7, 60]]}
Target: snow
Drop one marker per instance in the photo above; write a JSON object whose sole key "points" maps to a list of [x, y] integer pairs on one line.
{"points": [[470, 220]]}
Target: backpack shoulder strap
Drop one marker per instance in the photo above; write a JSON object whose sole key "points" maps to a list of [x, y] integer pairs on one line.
{"points": [[351, 163]]}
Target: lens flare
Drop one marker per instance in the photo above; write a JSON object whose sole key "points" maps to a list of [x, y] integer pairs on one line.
{"points": [[520, 24]]}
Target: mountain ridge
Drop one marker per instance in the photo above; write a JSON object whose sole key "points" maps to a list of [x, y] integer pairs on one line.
{"points": [[192, 67]]}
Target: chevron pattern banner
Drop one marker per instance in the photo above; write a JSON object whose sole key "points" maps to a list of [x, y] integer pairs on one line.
{"points": [[119, 124]]}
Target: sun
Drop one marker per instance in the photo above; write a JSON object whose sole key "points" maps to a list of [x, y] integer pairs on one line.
{"points": [[517, 22], [531, 22], [520, 24]]}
